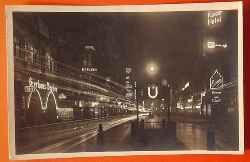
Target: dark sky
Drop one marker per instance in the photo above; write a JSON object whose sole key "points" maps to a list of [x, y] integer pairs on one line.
{"points": [[172, 40]]}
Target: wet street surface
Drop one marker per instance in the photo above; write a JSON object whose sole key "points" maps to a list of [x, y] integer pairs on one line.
{"points": [[82, 137], [189, 137], [63, 136], [193, 136], [119, 139], [193, 132]]}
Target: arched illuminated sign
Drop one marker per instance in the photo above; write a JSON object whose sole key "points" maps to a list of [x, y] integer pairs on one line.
{"points": [[156, 92], [39, 98], [216, 80], [47, 99]]}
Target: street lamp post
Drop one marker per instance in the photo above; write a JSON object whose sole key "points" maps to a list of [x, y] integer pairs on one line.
{"points": [[169, 101], [168, 92], [137, 110]]}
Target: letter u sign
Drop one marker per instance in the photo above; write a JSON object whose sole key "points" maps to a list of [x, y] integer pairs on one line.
{"points": [[155, 94]]}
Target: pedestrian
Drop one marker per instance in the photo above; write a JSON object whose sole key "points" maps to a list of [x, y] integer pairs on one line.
{"points": [[100, 138], [142, 124]]}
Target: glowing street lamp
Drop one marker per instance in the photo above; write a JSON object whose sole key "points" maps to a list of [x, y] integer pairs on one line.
{"points": [[152, 69]]}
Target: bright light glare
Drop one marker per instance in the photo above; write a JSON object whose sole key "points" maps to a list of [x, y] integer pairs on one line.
{"points": [[152, 69]]}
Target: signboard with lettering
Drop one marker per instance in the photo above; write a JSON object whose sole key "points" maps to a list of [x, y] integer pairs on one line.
{"points": [[128, 82], [39, 85], [29, 89], [216, 80], [89, 69], [216, 96], [214, 17], [211, 44]]}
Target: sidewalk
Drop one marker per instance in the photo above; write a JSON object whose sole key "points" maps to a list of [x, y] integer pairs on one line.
{"points": [[226, 134]]}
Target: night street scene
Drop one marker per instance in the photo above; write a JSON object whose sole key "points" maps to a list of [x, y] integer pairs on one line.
{"points": [[125, 81]]}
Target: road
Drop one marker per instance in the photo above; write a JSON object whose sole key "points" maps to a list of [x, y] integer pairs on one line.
{"points": [[116, 139], [62, 136], [81, 137], [190, 136], [119, 139]]}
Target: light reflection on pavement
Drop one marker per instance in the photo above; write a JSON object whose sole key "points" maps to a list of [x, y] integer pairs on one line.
{"points": [[193, 136]]}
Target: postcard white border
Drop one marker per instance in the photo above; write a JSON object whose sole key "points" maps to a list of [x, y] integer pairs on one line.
{"points": [[120, 8]]}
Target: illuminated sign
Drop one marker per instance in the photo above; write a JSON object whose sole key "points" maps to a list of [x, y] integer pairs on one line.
{"points": [[62, 96], [29, 89], [90, 47], [190, 99], [156, 92], [203, 94], [211, 44], [128, 82], [38, 85], [129, 94], [216, 80], [214, 17], [128, 86], [135, 91], [186, 85], [216, 96], [89, 92], [128, 70], [89, 69]]}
